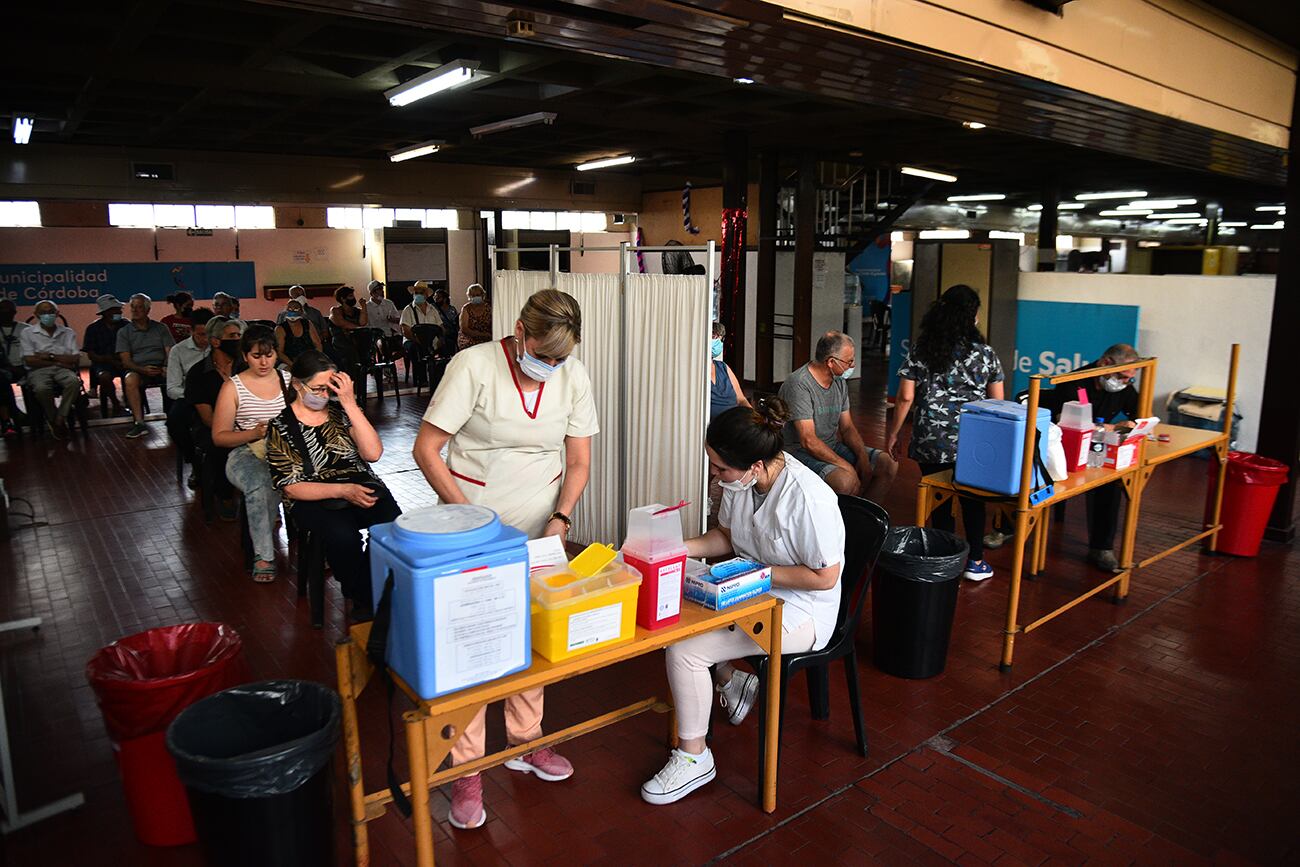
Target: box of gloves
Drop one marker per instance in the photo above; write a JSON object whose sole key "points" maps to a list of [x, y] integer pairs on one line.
{"points": [[725, 584]]}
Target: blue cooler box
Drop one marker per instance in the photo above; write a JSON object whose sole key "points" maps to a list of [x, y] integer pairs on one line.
{"points": [[460, 603], [991, 442]]}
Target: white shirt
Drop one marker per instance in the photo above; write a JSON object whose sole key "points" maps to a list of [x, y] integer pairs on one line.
{"points": [[36, 340], [383, 315], [414, 314], [798, 524], [11, 342], [183, 356]]}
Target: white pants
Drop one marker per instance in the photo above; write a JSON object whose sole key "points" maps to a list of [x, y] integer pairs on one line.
{"points": [[688, 669]]}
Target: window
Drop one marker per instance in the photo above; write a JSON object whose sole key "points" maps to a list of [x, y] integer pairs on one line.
{"points": [[254, 217], [174, 216], [444, 218], [14, 214], [128, 215], [594, 222], [410, 215], [214, 216], [343, 218], [514, 219], [377, 218]]}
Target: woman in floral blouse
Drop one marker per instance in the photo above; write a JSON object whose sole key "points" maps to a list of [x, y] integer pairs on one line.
{"points": [[950, 363], [475, 318], [318, 451]]}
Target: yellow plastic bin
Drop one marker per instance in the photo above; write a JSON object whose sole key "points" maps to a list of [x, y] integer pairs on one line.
{"points": [[572, 614]]}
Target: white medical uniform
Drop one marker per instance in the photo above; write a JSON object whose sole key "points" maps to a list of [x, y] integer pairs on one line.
{"points": [[798, 524], [507, 451]]}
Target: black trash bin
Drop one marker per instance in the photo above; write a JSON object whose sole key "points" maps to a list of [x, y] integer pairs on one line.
{"points": [[913, 598], [256, 763]]}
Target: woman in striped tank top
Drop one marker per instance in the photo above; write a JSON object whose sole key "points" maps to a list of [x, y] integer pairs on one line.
{"points": [[248, 401]]}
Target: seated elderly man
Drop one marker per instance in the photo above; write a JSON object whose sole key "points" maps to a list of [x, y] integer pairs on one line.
{"points": [[182, 359], [202, 386], [51, 355], [821, 433], [100, 346], [142, 346]]}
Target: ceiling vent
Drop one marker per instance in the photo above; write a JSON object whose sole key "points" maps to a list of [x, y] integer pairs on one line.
{"points": [[153, 171], [582, 188]]}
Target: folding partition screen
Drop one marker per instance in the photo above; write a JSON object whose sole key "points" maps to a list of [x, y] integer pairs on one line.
{"points": [[651, 390]]}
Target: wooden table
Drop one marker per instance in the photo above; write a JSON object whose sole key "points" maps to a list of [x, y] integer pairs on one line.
{"points": [[435, 724], [1033, 518]]}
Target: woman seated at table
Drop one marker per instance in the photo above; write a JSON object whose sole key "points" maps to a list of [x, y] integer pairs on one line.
{"points": [[775, 511], [318, 451]]}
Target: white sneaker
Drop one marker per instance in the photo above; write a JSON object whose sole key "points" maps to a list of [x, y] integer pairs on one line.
{"points": [[737, 697], [682, 775]]}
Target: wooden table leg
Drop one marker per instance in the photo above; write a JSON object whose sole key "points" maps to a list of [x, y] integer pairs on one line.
{"points": [[1013, 599], [417, 750], [773, 710], [352, 753], [1128, 544]]}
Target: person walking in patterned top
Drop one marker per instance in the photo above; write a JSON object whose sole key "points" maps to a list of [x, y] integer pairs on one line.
{"points": [[950, 363]]}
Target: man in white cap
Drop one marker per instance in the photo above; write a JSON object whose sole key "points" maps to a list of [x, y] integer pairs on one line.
{"points": [[384, 316], [100, 345], [299, 294], [51, 355]]}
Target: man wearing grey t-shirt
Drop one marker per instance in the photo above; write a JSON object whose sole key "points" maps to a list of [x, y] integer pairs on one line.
{"points": [[821, 433], [142, 345]]}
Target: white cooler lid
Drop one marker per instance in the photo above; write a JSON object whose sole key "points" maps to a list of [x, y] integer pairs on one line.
{"points": [[446, 518]]}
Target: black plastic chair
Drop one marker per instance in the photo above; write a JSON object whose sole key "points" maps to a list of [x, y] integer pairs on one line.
{"points": [[865, 527], [432, 362], [375, 362], [311, 573]]}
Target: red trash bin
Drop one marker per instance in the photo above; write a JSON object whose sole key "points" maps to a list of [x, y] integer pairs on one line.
{"points": [[141, 683], [1249, 490]]}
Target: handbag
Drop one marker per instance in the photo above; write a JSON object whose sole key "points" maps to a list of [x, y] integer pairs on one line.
{"points": [[300, 443]]}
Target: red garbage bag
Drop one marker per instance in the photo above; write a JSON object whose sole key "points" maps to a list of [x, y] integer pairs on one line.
{"points": [[143, 681], [1252, 469]]}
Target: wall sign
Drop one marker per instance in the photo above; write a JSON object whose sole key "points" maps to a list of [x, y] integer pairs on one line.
{"points": [[83, 283]]}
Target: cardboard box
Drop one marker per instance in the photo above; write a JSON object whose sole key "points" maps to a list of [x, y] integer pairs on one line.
{"points": [[705, 588], [1121, 447]]}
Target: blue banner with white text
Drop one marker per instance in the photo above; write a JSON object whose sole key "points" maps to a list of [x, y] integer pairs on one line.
{"points": [[83, 283]]}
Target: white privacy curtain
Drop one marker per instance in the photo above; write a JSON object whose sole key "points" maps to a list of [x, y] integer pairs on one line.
{"points": [[650, 448], [667, 392]]}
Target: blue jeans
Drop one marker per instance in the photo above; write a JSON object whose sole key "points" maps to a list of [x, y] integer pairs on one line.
{"points": [[823, 468], [248, 472]]}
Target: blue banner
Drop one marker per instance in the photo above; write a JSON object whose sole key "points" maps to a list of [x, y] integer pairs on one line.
{"points": [[900, 336], [82, 283], [1057, 336], [872, 268]]}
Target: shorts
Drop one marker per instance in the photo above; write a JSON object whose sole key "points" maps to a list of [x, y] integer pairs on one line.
{"points": [[98, 370], [824, 468]]}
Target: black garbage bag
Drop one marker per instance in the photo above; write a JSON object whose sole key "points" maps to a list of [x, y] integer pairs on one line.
{"points": [[913, 600], [256, 763]]}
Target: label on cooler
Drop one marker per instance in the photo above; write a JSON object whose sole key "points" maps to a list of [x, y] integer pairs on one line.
{"points": [[669, 602], [594, 626], [478, 625]]}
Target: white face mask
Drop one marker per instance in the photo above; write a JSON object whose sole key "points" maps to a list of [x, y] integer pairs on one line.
{"points": [[739, 486], [536, 369], [847, 372], [1113, 384]]}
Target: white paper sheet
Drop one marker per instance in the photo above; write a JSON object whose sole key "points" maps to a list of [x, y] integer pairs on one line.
{"points": [[478, 625], [594, 626], [546, 551]]}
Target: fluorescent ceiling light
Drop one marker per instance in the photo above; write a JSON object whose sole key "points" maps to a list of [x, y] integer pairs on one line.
{"points": [[1227, 231], [944, 235], [1281, 209], [1157, 204], [546, 117], [973, 124], [423, 149], [1122, 194], [1013, 236], [1187, 221], [1125, 213], [1178, 216], [1148, 243], [23, 130], [1071, 206], [1232, 225], [454, 74], [605, 163], [926, 173], [743, 80], [1278, 225], [1035, 208], [980, 197]]}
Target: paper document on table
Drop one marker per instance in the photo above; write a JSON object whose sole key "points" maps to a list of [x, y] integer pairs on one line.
{"points": [[479, 618], [546, 551]]}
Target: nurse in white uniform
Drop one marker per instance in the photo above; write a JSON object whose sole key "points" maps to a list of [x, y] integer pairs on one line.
{"points": [[775, 511], [517, 416]]}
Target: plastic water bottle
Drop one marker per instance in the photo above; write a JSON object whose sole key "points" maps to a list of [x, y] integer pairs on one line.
{"points": [[1097, 450]]}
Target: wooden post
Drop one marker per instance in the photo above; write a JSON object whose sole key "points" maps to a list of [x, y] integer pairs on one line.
{"points": [[1216, 511]]}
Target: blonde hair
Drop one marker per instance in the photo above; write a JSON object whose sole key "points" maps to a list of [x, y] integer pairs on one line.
{"points": [[553, 319]]}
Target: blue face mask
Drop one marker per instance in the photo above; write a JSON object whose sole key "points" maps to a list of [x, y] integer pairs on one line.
{"points": [[420, 298], [536, 369], [116, 317], [48, 320], [715, 348], [292, 314]]}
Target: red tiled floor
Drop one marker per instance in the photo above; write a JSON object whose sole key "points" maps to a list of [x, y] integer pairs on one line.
{"points": [[1162, 731]]}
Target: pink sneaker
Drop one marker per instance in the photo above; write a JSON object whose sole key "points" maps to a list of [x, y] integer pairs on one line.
{"points": [[545, 763], [467, 803]]}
